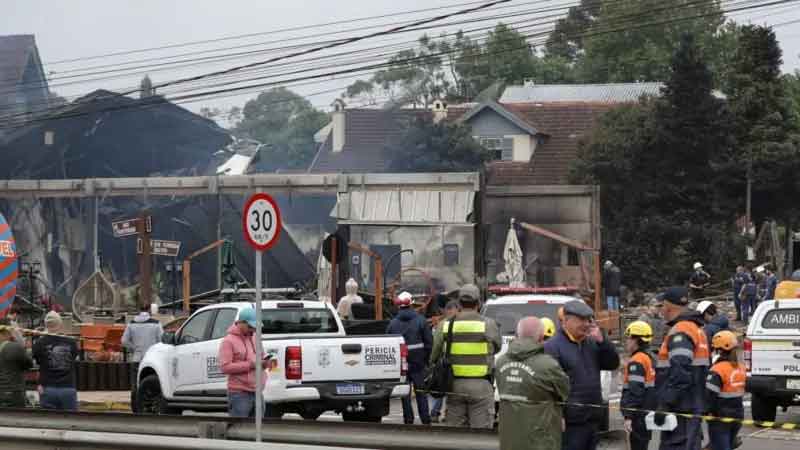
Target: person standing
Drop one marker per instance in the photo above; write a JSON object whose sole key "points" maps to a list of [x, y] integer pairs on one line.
{"points": [[237, 360], [418, 339], [532, 389], [748, 294], [56, 356], [771, 284], [725, 387], [612, 281], [638, 389], [345, 306], [141, 334], [698, 281], [738, 281], [14, 361], [582, 350], [681, 370], [451, 309], [476, 340], [653, 318]]}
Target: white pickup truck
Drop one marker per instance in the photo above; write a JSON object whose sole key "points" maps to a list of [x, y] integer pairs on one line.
{"points": [[319, 368], [772, 355]]}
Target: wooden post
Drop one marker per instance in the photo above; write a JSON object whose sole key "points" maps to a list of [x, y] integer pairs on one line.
{"points": [[378, 288], [187, 285], [597, 281], [334, 255], [144, 228]]}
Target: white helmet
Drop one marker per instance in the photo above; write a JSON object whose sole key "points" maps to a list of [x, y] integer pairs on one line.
{"points": [[703, 306], [609, 263], [698, 265]]}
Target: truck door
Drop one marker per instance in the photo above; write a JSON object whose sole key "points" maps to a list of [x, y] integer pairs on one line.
{"points": [[213, 378], [190, 342]]}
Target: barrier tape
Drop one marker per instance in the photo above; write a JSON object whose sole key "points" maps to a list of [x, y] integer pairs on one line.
{"points": [[789, 426]]}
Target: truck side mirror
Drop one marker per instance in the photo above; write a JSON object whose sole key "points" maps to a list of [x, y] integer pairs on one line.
{"points": [[168, 337]]}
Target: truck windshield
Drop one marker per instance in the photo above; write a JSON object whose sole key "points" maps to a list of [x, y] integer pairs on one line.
{"points": [[298, 320], [782, 319], [508, 315]]}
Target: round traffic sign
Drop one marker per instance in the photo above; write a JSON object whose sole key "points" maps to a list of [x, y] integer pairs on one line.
{"points": [[261, 222]]}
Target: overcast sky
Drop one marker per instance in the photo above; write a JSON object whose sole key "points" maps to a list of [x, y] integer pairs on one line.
{"points": [[83, 28]]}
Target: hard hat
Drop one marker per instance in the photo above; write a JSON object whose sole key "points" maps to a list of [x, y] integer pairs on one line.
{"points": [[698, 265], [403, 300], [703, 307], [724, 340], [248, 315], [549, 327], [759, 269], [640, 329], [609, 263]]}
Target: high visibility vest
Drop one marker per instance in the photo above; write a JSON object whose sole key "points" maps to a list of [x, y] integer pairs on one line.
{"points": [[469, 355], [648, 378], [701, 355], [733, 379]]}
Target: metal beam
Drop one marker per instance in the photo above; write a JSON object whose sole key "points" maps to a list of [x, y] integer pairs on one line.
{"points": [[236, 184]]}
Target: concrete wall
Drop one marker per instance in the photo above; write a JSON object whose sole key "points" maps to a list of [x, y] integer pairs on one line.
{"points": [[428, 245], [570, 211]]}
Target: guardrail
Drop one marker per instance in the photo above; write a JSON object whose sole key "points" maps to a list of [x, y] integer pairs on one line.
{"points": [[337, 434]]}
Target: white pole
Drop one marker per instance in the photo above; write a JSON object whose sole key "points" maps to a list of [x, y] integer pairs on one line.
{"points": [[259, 351], [95, 246]]}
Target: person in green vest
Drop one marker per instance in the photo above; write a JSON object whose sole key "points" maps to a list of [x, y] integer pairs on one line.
{"points": [[476, 340], [532, 388]]}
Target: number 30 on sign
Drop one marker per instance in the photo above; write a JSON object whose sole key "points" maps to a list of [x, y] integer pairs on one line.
{"points": [[261, 222]]}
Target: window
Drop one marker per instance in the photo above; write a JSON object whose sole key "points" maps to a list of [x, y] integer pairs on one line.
{"points": [[195, 328], [450, 254], [298, 320], [500, 149], [573, 259], [224, 320], [508, 315], [787, 319]]}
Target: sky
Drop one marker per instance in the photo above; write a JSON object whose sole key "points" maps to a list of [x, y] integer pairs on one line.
{"points": [[71, 29]]}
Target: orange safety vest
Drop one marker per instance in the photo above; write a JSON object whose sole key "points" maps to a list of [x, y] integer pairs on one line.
{"points": [[733, 379], [649, 375], [701, 356]]}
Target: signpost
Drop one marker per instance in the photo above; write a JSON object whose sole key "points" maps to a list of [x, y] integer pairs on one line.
{"points": [[160, 247], [261, 223], [124, 228]]}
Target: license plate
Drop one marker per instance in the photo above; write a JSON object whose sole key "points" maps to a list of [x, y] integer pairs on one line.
{"points": [[793, 383], [350, 389]]}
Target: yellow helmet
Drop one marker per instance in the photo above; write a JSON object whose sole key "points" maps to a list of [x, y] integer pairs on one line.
{"points": [[549, 327], [640, 329], [724, 340]]}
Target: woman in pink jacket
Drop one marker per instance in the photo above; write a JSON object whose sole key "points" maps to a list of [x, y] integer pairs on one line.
{"points": [[237, 359]]}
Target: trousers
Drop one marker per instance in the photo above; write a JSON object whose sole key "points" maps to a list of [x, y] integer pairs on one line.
{"points": [[243, 404], [687, 436], [612, 301], [417, 381], [61, 398], [581, 436], [472, 404], [723, 435]]}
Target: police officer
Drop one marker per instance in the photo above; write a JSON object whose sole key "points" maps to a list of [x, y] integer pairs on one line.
{"points": [[725, 391], [476, 340], [417, 335], [681, 370], [638, 389], [532, 388], [582, 350]]}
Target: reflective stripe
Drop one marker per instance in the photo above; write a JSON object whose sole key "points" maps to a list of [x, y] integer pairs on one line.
{"points": [[681, 352], [466, 326], [470, 371], [701, 362], [731, 394], [712, 387], [416, 346], [470, 348], [636, 378], [650, 384], [662, 363], [514, 398]]}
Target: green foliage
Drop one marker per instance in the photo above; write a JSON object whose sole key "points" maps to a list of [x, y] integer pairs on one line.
{"points": [[566, 40], [791, 85], [285, 122], [435, 147]]}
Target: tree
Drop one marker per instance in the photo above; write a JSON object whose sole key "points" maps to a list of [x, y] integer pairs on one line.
{"points": [[285, 122], [435, 147], [566, 39]]}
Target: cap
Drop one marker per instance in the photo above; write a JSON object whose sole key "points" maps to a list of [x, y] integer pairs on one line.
{"points": [[578, 308], [469, 293], [677, 295], [248, 315], [52, 318]]}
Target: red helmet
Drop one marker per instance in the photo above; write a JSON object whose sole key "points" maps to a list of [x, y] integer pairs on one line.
{"points": [[403, 300]]}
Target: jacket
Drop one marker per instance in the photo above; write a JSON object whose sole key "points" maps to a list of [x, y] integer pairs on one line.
{"points": [[718, 323], [237, 357], [582, 362], [532, 388], [14, 361], [417, 335], [638, 388], [749, 289], [141, 334], [725, 390], [489, 339], [56, 356], [612, 280], [682, 365], [772, 284]]}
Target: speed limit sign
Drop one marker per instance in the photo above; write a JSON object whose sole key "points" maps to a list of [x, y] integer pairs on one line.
{"points": [[261, 221]]}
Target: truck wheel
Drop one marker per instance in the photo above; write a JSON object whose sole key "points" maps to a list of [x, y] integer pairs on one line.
{"points": [[762, 409], [149, 399]]}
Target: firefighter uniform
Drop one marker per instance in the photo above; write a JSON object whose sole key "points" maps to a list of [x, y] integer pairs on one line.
{"points": [[681, 370], [638, 393]]}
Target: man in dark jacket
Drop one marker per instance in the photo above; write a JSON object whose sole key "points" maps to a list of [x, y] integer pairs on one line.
{"points": [[612, 281], [14, 361], [582, 350], [532, 388], [418, 338], [56, 356], [738, 281]]}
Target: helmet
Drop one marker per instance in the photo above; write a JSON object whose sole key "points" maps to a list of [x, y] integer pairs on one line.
{"points": [[549, 327], [403, 300], [706, 306], [724, 340], [640, 329], [248, 315], [609, 263], [698, 265]]}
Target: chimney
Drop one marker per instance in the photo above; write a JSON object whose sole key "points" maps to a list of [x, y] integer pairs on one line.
{"points": [[339, 125], [146, 88], [529, 82], [439, 111]]}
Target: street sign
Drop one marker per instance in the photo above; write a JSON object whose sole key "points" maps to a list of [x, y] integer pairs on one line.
{"points": [[124, 228], [261, 222], [159, 247]]}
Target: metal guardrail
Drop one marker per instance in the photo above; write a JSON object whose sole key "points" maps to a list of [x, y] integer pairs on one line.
{"points": [[347, 434]]}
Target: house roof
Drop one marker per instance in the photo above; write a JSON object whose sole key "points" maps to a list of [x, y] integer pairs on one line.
{"points": [[15, 51], [504, 112], [604, 93]]}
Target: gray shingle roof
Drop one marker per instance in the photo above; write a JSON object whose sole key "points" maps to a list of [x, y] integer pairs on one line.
{"points": [[596, 93]]}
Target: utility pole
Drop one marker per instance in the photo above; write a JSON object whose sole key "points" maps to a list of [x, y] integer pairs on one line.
{"points": [[748, 208], [144, 226]]}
